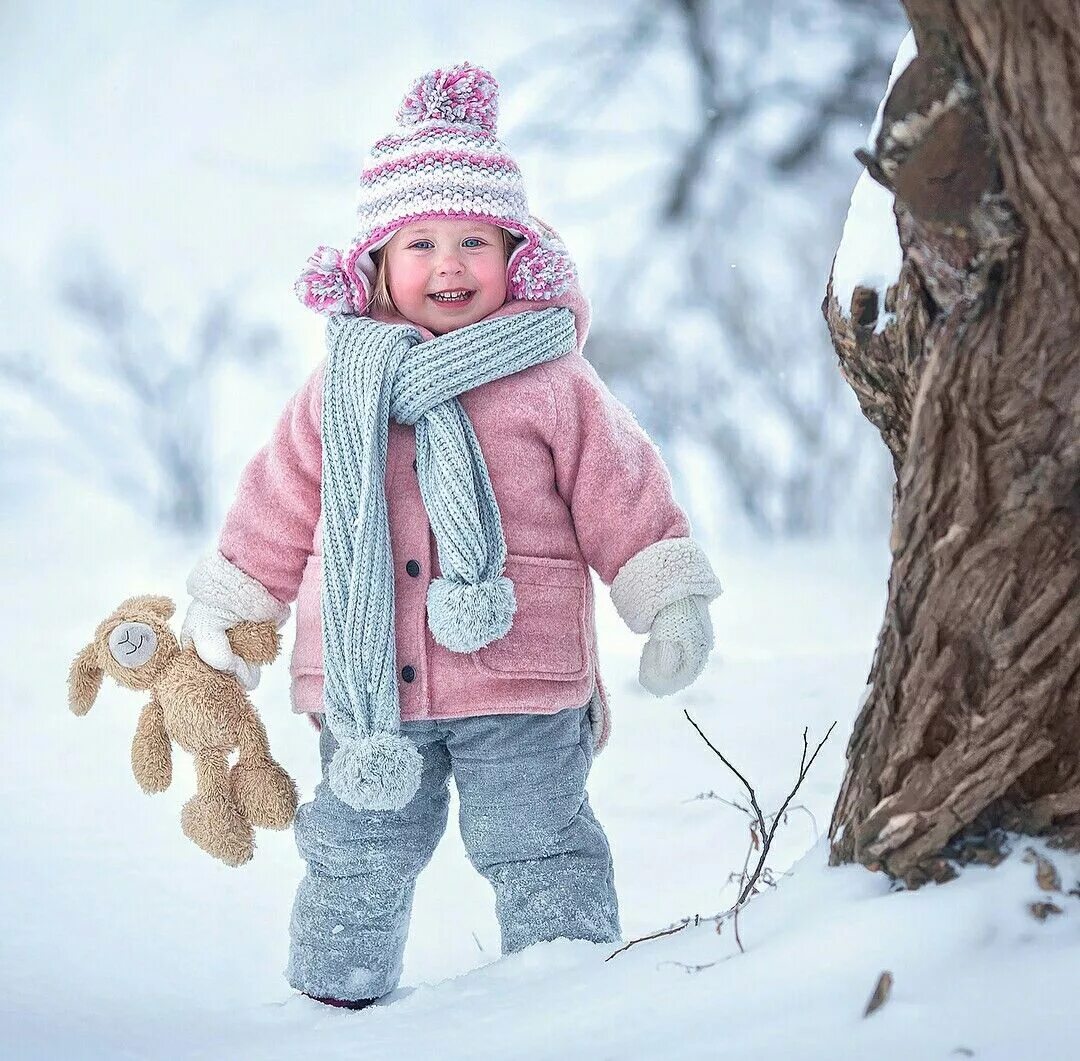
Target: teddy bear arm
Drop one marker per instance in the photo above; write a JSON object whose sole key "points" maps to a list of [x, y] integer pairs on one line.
{"points": [[151, 750]]}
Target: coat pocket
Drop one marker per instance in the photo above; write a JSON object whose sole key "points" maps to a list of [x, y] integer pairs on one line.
{"points": [[548, 638]]}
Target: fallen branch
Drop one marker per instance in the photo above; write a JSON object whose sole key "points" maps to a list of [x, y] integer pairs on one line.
{"points": [[656, 935], [766, 833], [761, 837], [686, 968]]}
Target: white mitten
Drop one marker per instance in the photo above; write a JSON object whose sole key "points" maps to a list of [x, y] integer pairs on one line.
{"points": [[665, 590], [678, 646], [222, 596]]}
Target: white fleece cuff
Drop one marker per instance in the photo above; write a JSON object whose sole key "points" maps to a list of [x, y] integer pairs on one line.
{"points": [[662, 573], [223, 587]]}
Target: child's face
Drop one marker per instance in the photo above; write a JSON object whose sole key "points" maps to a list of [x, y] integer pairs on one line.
{"points": [[431, 258]]}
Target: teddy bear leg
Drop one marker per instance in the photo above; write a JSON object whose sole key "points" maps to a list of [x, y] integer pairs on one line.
{"points": [[151, 750], [263, 791], [210, 818]]}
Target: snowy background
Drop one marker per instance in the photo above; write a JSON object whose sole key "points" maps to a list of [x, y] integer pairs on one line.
{"points": [[168, 167]]}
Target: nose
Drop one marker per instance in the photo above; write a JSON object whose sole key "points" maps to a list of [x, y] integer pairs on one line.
{"points": [[449, 263]]}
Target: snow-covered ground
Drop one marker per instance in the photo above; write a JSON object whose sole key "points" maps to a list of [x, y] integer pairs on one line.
{"points": [[121, 939]]}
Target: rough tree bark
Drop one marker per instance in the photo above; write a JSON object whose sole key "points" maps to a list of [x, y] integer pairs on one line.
{"points": [[972, 723]]}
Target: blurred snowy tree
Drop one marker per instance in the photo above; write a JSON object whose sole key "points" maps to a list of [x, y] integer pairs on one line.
{"points": [[133, 408], [725, 134]]}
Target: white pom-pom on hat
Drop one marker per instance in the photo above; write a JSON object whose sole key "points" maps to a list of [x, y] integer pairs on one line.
{"points": [[464, 93]]}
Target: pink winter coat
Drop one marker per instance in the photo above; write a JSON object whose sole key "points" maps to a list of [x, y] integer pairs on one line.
{"points": [[579, 484]]}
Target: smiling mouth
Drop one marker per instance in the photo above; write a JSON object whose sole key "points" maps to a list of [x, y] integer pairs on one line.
{"points": [[452, 298]]}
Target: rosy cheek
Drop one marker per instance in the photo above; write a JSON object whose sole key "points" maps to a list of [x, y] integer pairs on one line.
{"points": [[493, 276], [407, 282]]}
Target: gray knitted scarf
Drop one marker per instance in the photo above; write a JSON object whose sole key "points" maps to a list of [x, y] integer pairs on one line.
{"points": [[374, 372]]}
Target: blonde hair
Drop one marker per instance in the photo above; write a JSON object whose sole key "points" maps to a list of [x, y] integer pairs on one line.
{"points": [[381, 300]]}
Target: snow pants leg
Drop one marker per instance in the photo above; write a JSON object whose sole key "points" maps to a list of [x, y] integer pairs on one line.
{"points": [[351, 913], [528, 827]]}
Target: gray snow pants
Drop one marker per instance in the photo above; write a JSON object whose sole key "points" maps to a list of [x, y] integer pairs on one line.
{"points": [[526, 824]]}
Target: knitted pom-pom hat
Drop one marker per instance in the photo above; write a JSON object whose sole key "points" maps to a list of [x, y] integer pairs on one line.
{"points": [[443, 160]]}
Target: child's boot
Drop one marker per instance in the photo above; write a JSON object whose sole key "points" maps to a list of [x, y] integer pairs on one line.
{"points": [[342, 1003]]}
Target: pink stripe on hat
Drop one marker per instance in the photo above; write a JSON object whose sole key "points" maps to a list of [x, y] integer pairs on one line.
{"points": [[441, 156]]}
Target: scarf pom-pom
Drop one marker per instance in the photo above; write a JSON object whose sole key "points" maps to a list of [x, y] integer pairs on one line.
{"points": [[381, 771], [326, 287], [464, 617]]}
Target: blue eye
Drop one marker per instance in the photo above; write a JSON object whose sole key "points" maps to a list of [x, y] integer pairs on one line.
{"points": [[417, 245], [472, 242]]}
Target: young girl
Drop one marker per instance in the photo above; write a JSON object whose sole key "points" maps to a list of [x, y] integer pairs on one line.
{"points": [[433, 498]]}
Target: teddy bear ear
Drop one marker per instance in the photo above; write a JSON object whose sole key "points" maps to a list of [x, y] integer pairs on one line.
{"points": [[147, 602], [162, 606], [84, 680]]}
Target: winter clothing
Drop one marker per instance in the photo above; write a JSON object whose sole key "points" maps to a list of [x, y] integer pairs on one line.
{"points": [[658, 575], [526, 824], [444, 470], [579, 485], [665, 590], [375, 372], [443, 161], [356, 1003], [221, 597], [678, 648]]}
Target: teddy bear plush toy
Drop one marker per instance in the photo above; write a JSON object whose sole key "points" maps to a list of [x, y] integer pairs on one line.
{"points": [[205, 711]]}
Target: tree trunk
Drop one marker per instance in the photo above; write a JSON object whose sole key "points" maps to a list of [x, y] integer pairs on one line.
{"points": [[972, 722]]}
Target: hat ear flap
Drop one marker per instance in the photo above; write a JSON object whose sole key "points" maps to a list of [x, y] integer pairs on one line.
{"points": [[542, 271], [326, 285], [84, 680]]}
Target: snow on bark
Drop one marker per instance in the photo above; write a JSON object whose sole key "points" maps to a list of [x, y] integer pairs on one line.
{"points": [[869, 254]]}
